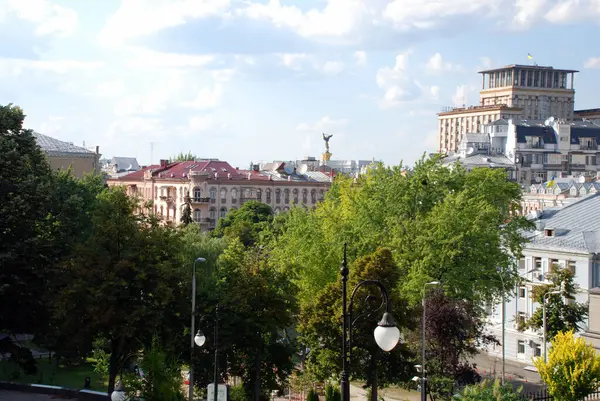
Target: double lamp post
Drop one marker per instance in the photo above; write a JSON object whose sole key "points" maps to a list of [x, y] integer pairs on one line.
{"points": [[199, 339]]}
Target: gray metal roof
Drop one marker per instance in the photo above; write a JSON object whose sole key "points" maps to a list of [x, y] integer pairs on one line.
{"points": [[481, 160], [55, 147], [576, 227], [125, 163]]}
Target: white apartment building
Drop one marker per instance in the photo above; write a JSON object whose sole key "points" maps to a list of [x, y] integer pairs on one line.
{"points": [[511, 92], [215, 188], [569, 237]]}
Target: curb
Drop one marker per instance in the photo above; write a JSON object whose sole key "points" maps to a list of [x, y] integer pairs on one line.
{"points": [[82, 395]]}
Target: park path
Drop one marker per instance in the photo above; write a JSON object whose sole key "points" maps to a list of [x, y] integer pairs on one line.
{"points": [[18, 396]]}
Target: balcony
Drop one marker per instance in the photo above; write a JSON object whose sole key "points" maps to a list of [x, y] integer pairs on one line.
{"points": [[538, 145], [167, 198], [200, 200], [205, 221], [588, 146]]}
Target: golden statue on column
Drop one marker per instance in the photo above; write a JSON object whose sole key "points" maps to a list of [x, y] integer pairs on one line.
{"points": [[327, 155]]}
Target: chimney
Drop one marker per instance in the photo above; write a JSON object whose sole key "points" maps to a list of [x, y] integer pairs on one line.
{"points": [[97, 149], [255, 167], [164, 162]]}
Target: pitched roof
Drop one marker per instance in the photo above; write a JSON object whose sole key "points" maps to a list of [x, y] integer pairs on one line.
{"points": [[576, 227], [125, 163], [481, 160], [55, 147], [543, 131]]}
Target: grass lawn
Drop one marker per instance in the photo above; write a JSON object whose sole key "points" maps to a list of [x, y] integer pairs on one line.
{"points": [[72, 376]]}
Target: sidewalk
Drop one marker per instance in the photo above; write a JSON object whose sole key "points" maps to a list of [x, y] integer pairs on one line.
{"points": [[490, 366]]}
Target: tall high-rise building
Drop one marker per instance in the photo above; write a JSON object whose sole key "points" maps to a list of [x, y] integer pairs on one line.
{"points": [[523, 92]]}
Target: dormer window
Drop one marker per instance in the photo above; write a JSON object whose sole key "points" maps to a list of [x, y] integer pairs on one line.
{"points": [[549, 232]]}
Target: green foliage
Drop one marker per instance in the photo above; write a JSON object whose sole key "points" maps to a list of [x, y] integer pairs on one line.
{"points": [[320, 325], [186, 213], [246, 223], [101, 357], [312, 395], [25, 183], [440, 387], [183, 157], [237, 393], [491, 391], [560, 315], [123, 283], [162, 377], [441, 224], [332, 393], [573, 368]]}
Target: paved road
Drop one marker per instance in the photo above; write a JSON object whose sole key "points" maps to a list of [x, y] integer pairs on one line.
{"points": [[17, 396]]}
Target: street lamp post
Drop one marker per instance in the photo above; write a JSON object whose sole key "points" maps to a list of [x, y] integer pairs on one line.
{"points": [[544, 329], [198, 336], [386, 333], [423, 378]]}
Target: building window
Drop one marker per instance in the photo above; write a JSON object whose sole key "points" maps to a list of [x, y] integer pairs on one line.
{"points": [[197, 215], [222, 212], [537, 350], [234, 195], [259, 195], [304, 196], [278, 196], [197, 194], [286, 196], [223, 195], [521, 347], [295, 193], [522, 292], [213, 213], [268, 196], [571, 265], [213, 194], [313, 196]]}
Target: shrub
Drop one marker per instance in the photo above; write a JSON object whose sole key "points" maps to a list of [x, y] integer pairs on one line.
{"points": [[491, 391], [312, 395]]}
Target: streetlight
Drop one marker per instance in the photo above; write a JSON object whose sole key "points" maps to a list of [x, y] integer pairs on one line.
{"points": [[423, 383], [545, 300], [199, 337], [386, 333]]}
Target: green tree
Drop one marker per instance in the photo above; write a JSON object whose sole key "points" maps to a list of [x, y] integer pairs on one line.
{"points": [[256, 309], [573, 368], [560, 315], [183, 157], [186, 213], [123, 283], [320, 326], [442, 224], [25, 184], [246, 223], [491, 391]]}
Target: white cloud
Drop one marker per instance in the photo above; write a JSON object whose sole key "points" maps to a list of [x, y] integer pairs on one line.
{"points": [[294, 61], [397, 84], [136, 18], [592, 62], [338, 18], [460, 96], [16, 67], [141, 57], [200, 123], [49, 18], [528, 11], [332, 67], [486, 62], [436, 64], [206, 98], [324, 124], [361, 57], [435, 91]]}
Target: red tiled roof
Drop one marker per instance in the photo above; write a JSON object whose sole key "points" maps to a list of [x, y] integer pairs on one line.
{"points": [[181, 170]]}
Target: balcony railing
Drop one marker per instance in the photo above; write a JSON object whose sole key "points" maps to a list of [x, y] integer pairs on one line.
{"points": [[533, 146], [588, 146], [200, 200]]}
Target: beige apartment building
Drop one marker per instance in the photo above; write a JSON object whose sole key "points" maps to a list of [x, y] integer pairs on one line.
{"points": [[64, 155], [519, 92], [215, 188], [592, 115]]}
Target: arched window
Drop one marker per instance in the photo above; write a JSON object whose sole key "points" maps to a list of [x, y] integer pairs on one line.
{"points": [[304, 196], [212, 213], [213, 195], [197, 194], [259, 195], [234, 194], [197, 215], [268, 196], [286, 196], [222, 212], [278, 196], [223, 195], [295, 193], [313, 196]]}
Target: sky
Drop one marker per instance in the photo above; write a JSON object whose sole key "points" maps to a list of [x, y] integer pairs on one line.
{"points": [[261, 80]]}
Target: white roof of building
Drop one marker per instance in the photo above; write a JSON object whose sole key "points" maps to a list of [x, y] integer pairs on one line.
{"points": [[576, 228], [480, 160], [55, 147]]}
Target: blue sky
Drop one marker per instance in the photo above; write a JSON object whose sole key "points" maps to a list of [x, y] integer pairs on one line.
{"points": [[252, 80]]}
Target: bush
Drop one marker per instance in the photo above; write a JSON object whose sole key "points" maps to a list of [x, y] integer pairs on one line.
{"points": [[237, 393], [491, 391], [312, 395], [332, 393]]}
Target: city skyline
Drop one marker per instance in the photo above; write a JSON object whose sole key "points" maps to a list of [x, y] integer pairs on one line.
{"points": [[272, 75]]}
